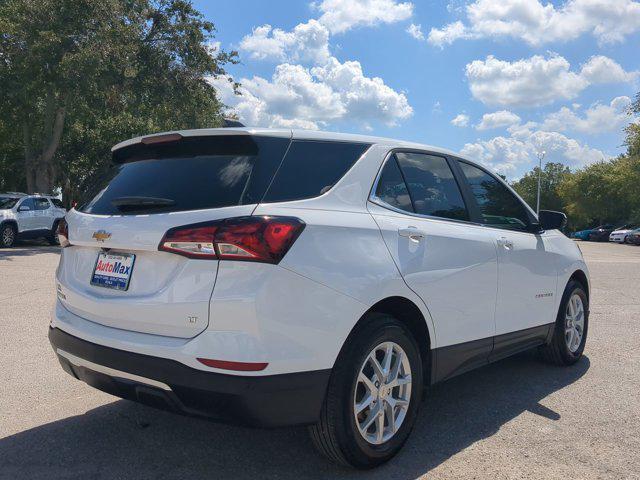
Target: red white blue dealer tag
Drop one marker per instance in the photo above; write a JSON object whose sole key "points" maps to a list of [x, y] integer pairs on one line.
{"points": [[113, 270]]}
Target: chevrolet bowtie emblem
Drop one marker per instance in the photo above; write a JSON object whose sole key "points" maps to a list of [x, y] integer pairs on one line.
{"points": [[101, 235]]}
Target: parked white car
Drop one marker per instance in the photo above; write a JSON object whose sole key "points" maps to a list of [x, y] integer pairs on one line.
{"points": [[620, 235], [29, 216], [277, 277]]}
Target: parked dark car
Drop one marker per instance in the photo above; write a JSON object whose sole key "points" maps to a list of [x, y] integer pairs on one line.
{"points": [[633, 237], [601, 233]]}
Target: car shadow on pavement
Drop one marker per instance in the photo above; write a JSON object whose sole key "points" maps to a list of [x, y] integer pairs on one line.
{"points": [[27, 248], [125, 440]]}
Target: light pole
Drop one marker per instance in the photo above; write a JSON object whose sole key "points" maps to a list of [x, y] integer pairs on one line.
{"points": [[541, 154]]}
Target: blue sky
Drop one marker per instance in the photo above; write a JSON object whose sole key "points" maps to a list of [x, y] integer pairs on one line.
{"points": [[498, 81]]}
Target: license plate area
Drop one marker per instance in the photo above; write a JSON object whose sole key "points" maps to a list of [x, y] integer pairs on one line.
{"points": [[113, 270]]}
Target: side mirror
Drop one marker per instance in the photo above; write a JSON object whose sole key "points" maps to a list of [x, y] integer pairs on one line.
{"points": [[550, 220], [24, 208]]}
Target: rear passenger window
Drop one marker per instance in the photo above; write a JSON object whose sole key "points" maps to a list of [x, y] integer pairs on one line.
{"points": [[57, 203], [432, 187], [311, 168], [391, 188], [42, 203], [498, 206]]}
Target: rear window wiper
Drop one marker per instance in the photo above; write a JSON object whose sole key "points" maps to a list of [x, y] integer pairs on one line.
{"points": [[141, 203]]}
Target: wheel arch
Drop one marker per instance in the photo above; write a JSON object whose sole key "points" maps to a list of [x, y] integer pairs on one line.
{"points": [[10, 222], [581, 277], [409, 314]]}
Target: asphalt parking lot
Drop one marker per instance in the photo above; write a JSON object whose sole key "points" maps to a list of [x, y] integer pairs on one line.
{"points": [[518, 418]]}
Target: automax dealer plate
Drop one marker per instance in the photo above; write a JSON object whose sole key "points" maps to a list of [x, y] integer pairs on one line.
{"points": [[113, 270]]}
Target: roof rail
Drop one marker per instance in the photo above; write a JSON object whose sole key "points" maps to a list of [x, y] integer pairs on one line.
{"points": [[231, 123]]}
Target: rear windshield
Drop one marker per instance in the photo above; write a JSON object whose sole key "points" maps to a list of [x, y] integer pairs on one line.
{"points": [[196, 173]]}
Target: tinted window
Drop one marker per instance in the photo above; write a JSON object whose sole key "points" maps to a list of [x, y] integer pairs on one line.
{"points": [[311, 168], [27, 202], [391, 188], [201, 173], [57, 202], [498, 206], [41, 203], [7, 203], [432, 186]]}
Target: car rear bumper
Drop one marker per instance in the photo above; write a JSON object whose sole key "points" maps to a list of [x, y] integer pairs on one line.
{"points": [[263, 401]]}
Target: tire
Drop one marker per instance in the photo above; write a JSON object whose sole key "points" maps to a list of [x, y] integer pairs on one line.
{"points": [[53, 236], [337, 435], [8, 235], [564, 349]]}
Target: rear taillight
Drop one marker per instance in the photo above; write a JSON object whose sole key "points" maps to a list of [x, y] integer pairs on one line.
{"points": [[63, 233], [257, 239]]}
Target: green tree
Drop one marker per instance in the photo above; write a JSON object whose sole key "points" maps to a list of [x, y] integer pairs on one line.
{"points": [[604, 192], [79, 75], [632, 140], [552, 177]]}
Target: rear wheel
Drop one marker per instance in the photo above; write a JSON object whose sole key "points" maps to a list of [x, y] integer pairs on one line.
{"points": [[373, 395], [7, 235], [570, 331], [53, 236]]}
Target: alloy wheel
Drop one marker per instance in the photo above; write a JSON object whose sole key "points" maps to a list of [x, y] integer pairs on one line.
{"points": [[574, 323], [383, 392], [8, 236]]}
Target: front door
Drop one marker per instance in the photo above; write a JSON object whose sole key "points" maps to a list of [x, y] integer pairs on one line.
{"points": [[527, 275], [25, 215], [448, 261]]}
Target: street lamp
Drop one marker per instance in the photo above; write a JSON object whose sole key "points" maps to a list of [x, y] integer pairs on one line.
{"points": [[541, 154]]}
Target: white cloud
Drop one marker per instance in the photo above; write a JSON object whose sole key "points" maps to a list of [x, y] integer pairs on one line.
{"points": [[364, 98], [601, 69], [609, 21], [501, 118], [512, 155], [340, 15], [415, 31], [307, 41], [447, 35], [299, 97], [598, 118], [460, 120], [537, 80]]}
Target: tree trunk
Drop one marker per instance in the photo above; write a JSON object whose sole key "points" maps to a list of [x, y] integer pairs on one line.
{"points": [[40, 169]]}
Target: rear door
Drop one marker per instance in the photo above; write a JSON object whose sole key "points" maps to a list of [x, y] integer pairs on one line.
{"points": [[527, 274], [42, 214], [151, 189], [449, 261]]}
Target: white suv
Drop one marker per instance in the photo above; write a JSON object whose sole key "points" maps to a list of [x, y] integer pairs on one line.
{"points": [[278, 277], [29, 216]]}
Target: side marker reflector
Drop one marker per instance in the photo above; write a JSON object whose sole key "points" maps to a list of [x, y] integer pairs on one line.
{"points": [[236, 366]]}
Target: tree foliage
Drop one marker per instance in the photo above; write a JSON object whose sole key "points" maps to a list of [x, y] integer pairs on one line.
{"points": [[80, 75], [603, 192]]}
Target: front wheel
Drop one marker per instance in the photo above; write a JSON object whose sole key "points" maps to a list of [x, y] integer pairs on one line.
{"points": [[7, 235], [570, 330], [373, 395]]}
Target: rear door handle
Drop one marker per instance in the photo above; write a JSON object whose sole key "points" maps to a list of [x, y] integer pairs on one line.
{"points": [[505, 242], [412, 233]]}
